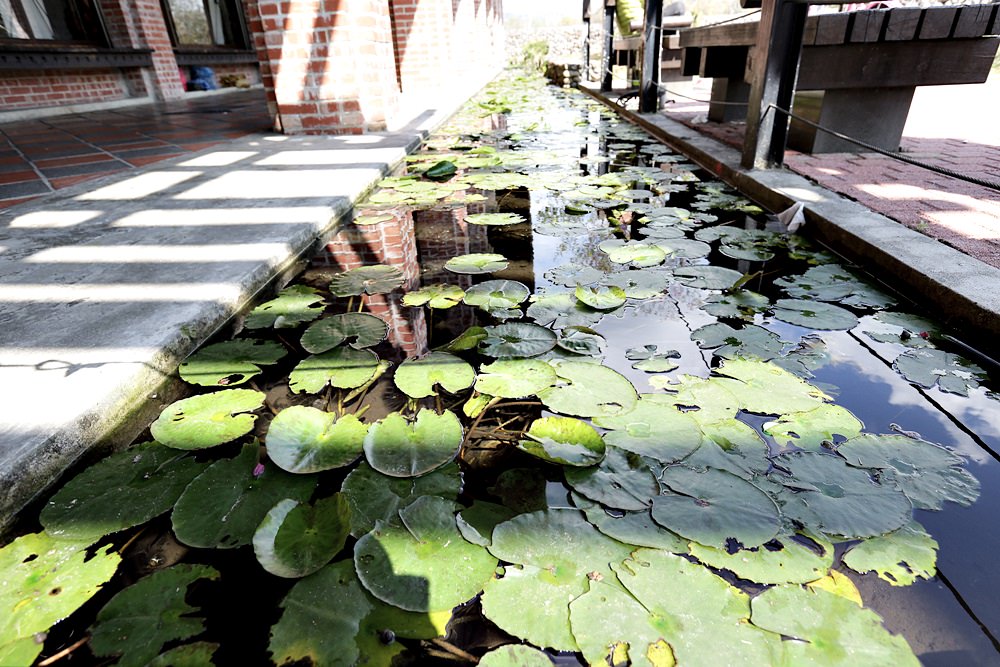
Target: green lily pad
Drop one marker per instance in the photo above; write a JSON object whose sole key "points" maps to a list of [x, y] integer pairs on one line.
{"points": [[647, 359], [495, 219], [633, 253], [44, 581], [303, 440], [292, 307], [476, 523], [398, 448], [517, 339], [683, 248], [780, 561], [901, 557], [373, 219], [515, 378], [904, 329], [714, 506], [742, 304], [498, 297], [601, 297], [521, 489], [811, 429], [366, 280], [831, 630], [561, 310], [375, 497], [826, 495], [571, 275], [515, 655], [223, 506], [707, 277], [424, 564], [476, 263], [435, 296], [635, 528], [297, 539], [928, 367], [195, 654], [832, 282], [814, 314], [417, 377], [582, 340], [230, 363], [467, 340], [588, 390], [341, 367], [622, 481], [639, 283], [139, 620], [927, 473], [208, 420], [654, 429], [768, 389], [441, 171], [359, 330], [124, 490], [810, 354], [733, 446], [563, 440], [749, 342]]}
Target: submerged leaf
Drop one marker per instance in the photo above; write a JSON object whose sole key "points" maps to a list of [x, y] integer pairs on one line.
{"points": [[814, 314], [749, 342], [208, 420], [707, 277], [742, 304]]}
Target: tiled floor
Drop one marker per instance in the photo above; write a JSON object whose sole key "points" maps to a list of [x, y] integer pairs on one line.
{"points": [[39, 156]]}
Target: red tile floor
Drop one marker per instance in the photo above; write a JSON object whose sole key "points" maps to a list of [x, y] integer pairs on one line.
{"points": [[46, 154]]}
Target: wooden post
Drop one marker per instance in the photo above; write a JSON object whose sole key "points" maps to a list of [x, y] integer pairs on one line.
{"points": [[649, 89], [609, 44], [773, 70]]}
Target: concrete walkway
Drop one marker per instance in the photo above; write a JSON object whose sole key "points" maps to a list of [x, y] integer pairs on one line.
{"points": [[106, 286]]}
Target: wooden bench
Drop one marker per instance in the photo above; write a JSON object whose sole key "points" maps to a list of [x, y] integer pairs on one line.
{"points": [[858, 70]]}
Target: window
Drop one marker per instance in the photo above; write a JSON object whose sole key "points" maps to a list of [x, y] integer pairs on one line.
{"points": [[206, 23], [52, 20]]}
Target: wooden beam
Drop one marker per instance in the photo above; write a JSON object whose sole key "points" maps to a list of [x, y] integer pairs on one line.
{"points": [[609, 45], [649, 89]]}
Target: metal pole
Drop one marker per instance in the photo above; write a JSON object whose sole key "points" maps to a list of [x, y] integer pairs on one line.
{"points": [[649, 90], [609, 45]]}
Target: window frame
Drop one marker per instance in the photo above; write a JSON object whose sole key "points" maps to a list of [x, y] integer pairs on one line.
{"points": [[98, 33]]}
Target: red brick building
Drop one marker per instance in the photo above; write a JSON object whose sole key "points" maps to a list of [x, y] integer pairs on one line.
{"points": [[328, 66]]}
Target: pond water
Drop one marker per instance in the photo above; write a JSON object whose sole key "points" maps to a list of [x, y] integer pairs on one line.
{"points": [[556, 389]]}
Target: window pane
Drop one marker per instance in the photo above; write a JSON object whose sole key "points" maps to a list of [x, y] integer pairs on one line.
{"points": [[61, 20], [190, 22]]}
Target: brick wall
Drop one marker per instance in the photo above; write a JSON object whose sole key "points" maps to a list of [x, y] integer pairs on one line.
{"points": [[44, 88]]}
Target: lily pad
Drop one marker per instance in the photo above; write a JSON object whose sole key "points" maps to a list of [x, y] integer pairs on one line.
{"points": [[636, 528], [424, 564], [814, 314], [831, 630], [639, 283], [588, 390], [812, 429], [435, 296], [230, 363], [297, 539], [366, 280], [467, 340], [139, 620], [515, 655], [749, 342], [375, 497], [714, 506], [417, 377], [124, 490], [45, 580], [517, 339], [398, 448], [633, 253], [927, 367], [292, 307], [683, 248], [901, 557], [622, 481], [563, 440], [341, 367], [223, 506], [359, 330], [582, 340], [765, 388], [373, 219], [495, 219], [832, 282], [561, 310], [515, 378], [601, 297], [654, 429], [208, 420], [476, 523], [302, 439], [500, 298], [195, 654], [780, 561], [441, 171], [647, 359], [707, 277], [742, 304], [476, 263], [571, 275]]}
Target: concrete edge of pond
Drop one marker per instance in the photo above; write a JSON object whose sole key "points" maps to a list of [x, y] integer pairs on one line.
{"points": [[964, 290], [92, 372]]}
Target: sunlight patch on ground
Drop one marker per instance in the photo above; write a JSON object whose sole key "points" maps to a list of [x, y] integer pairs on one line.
{"points": [[52, 219], [138, 292], [158, 254], [140, 186]]}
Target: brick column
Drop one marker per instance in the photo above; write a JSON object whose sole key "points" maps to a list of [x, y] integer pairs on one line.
{"points": [[147, 28], [327, 65]]}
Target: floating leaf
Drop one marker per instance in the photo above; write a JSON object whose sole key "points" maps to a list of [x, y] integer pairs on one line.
{"points": [[467, 340], [521, 489], [139, 620], [633, 253], [588, 390], [223, 506], [742, 304], [639, 284], [749, 342], [780, 561], [398, 448], [831, 282], [613, 628], [230, 363], [653, 428], [900, 557], [296, 539], [366, 280], [764, 388], [582, 340], [707, 277], [375, 497], [476, 523], [417, 377], [195, 654], [681, 248], [811, 429], [425, 564], [713, 506], [515, 655], [622, 481], [495, 219], [601, 297], [838, 584], [515, 378], [561, 310], [208, 420], [500, 298], [476, 263], [927, 473], [124, 490], [647, 359], [910, 330], [341, 367], [950, 372], [563, 440], [814, 314], [830, 629], [435, 296], [359, 330], [44, 581], [635, 528], [571, 275], [373, 219], [293, 306], [441, 171], [302, 439], [517, 339]]}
